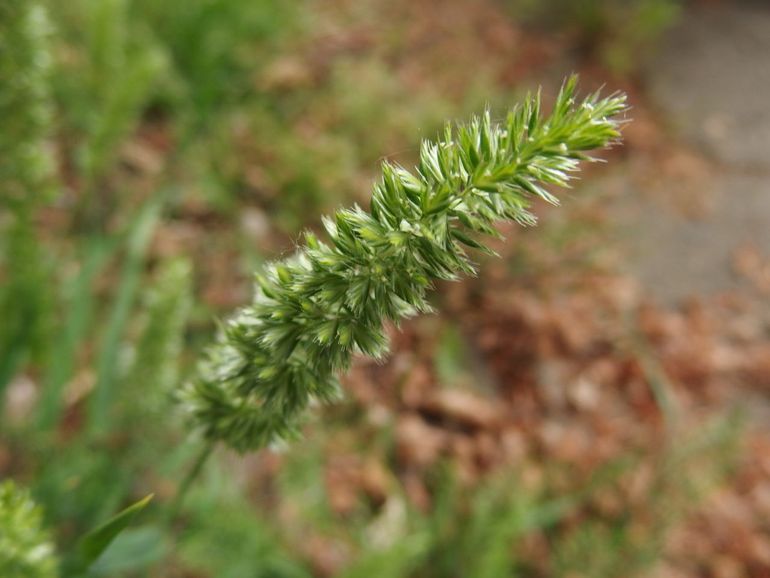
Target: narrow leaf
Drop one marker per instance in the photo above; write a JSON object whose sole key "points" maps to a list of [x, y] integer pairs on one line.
{"points": [[96, 541]]}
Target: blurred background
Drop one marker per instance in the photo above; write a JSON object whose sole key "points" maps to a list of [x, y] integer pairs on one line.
{"points": [[595, 404]]}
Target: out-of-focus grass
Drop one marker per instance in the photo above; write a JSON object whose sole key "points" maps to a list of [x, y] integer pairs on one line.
{"points": [[220, 97], [92, 318], [502, 528]]}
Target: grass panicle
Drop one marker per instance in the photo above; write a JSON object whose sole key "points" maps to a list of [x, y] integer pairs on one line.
{"points": [[315, 309], [26, 549]]}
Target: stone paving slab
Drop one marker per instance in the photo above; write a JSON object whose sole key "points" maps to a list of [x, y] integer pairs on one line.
{"points": [[712, 77], [676, 256], [711, 83]]}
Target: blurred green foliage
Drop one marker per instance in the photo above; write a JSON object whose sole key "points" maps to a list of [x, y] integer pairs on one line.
{"points": [[229, 114], [25, 177], [487, 532]]}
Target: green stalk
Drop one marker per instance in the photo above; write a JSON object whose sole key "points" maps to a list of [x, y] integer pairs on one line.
{"points": [[175, 507]]}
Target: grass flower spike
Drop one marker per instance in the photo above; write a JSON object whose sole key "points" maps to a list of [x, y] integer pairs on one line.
{"points": [[314, 310], [26, 550], [25, 161]]}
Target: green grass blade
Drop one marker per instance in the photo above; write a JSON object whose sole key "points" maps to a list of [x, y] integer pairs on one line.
{"points": [[138, 240], [93, 544], [80, 305]]}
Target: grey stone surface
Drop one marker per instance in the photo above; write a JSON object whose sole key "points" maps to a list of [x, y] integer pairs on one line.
{"points": [[712, 75], [711, 83], [676, 256]]}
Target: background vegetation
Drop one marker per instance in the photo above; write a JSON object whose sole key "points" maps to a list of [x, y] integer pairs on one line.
{"points": [[550, 422]]}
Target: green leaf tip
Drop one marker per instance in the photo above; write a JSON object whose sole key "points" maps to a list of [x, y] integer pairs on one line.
{"points": [[95, 542], [315, 309]]}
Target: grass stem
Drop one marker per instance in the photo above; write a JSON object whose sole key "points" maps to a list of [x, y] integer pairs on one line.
{"points": [[193, 473]]}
